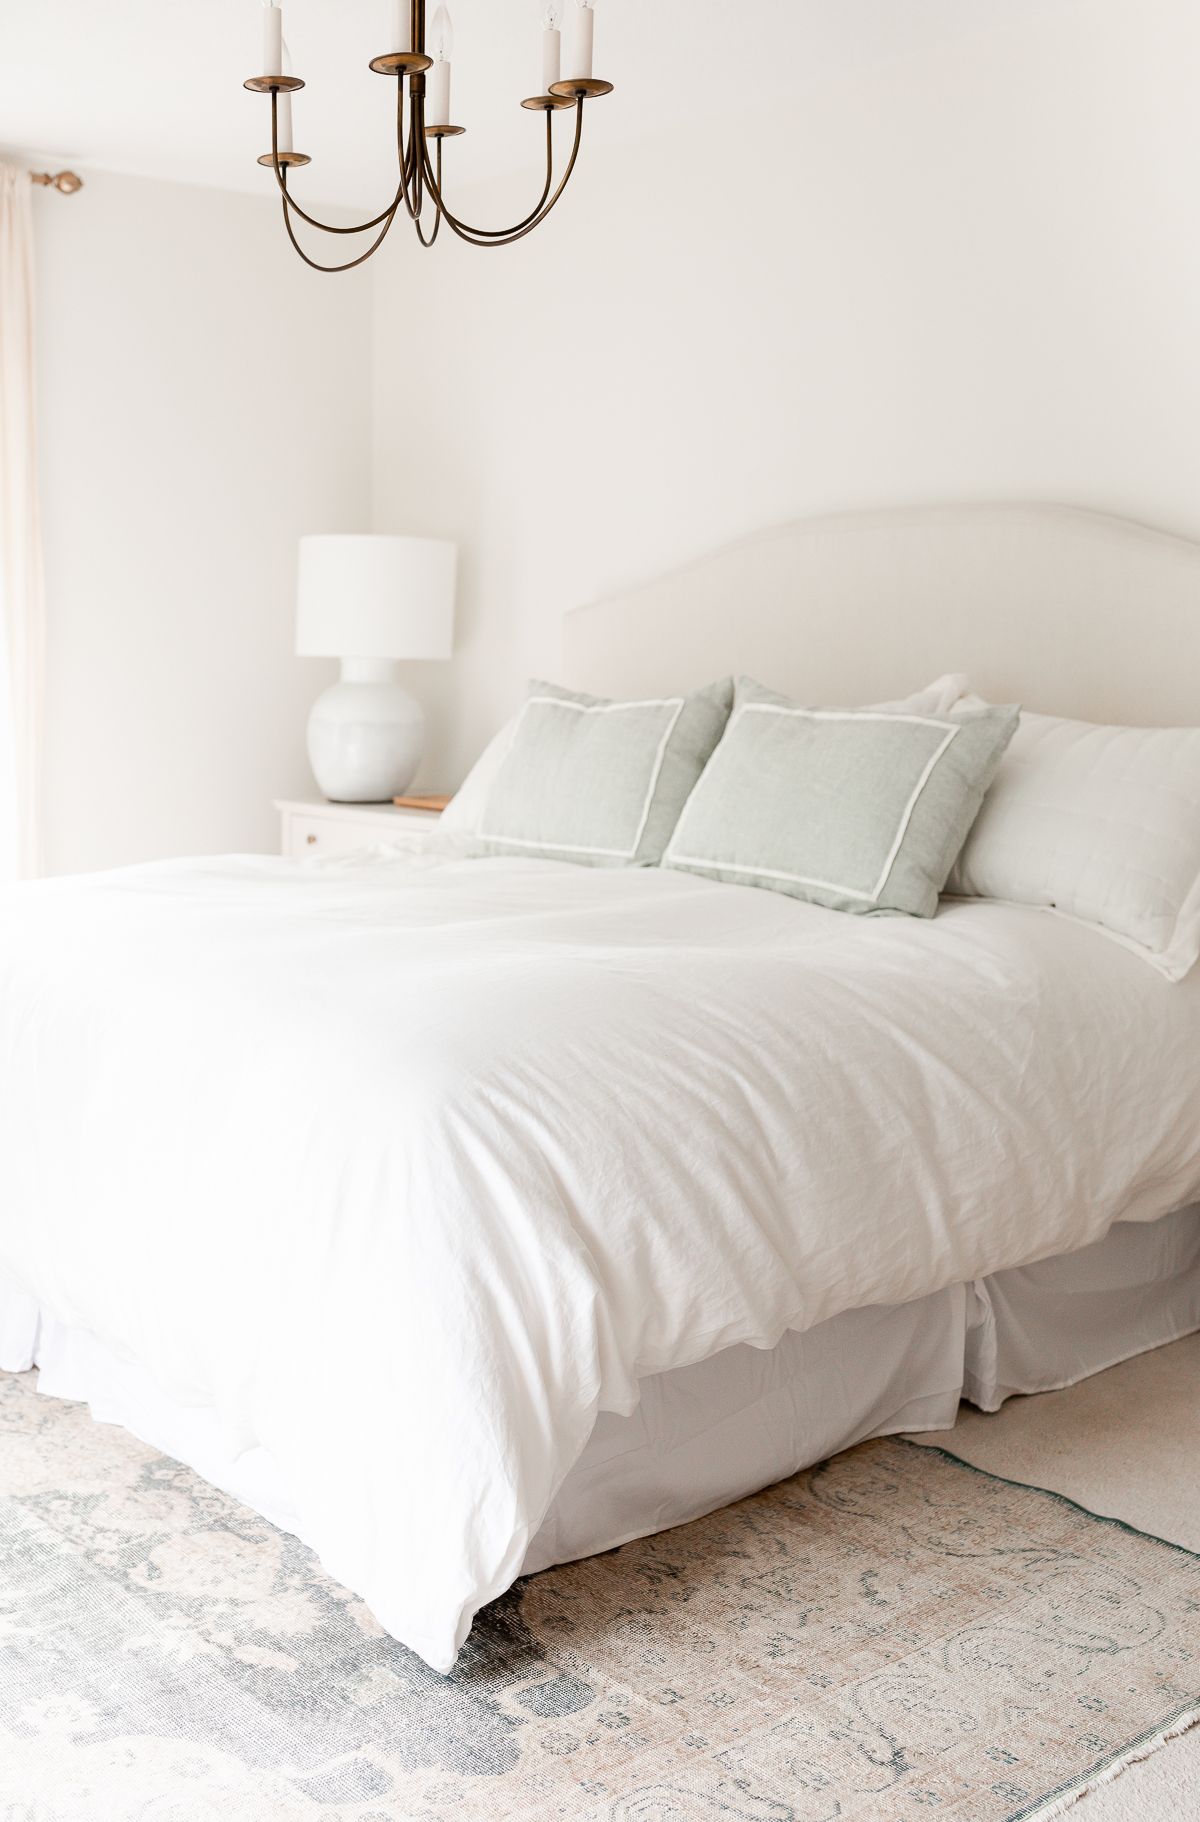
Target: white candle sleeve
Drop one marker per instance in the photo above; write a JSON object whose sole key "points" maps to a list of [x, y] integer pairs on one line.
{"points": [[285, 123], [583, 38], [272, 64], [437, 105], [551, 58], [401, 25]]}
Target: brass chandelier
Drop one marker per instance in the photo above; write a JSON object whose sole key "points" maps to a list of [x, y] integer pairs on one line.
{"points": [[423, 124]]}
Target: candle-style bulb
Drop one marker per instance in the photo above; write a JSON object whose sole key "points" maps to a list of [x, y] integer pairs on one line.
{"points": [[272, 60], [400, 34], [285, 103], [582, 42], [551, 44], [441, 35], [437, 95]]}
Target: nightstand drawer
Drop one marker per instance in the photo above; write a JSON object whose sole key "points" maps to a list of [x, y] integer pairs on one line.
{"points": [[318, 831], [317, 837]]}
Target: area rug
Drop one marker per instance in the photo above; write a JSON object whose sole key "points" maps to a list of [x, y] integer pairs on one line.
{"points": [[891, 1635]]}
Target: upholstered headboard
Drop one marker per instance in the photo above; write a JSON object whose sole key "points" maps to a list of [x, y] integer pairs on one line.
{"points": [[1070, 612]]}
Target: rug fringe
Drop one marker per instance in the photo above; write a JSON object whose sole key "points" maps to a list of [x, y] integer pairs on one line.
{"points": [[1133, 1755]]}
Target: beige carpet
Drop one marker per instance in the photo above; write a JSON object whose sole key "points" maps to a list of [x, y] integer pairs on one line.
{"points": [[890, 1635], [1125, 1443]]}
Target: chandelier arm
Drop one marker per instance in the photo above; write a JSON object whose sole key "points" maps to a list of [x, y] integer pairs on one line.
{"points": [[418, 173], [325, 227], [405, 153], [490, 233], [484, 235], [416, 143], [349, 264], [410, 151], [534, 214], [428, 240], [504, 237]]}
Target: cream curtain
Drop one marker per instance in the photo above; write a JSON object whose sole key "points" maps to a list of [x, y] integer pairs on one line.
{"points": [[21, 585]]}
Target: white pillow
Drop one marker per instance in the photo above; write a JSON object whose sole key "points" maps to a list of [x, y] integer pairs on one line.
{"points": [[1101, 824], [463, 815], [937, 698]]}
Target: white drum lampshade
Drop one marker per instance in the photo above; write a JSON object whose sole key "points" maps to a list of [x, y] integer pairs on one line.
{"points": [[371, 601]]}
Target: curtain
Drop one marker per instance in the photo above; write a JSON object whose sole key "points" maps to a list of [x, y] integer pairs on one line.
{"points": [[21, 583]]}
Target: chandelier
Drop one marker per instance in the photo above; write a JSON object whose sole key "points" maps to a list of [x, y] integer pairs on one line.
{"points": [[423, 122]]}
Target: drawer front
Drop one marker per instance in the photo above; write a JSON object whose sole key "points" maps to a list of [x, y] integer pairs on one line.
{"points": [[315, 834], [317, 837]]}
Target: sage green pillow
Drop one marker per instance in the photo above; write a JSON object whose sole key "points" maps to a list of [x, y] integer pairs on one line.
{"points": [[600, 783], [862, 810]]}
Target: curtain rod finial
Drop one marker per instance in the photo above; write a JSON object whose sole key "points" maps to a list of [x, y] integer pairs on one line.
{"points": [[65, 181]]}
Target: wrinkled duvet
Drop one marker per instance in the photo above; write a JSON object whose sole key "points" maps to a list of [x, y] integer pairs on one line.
{"points": [[410, 1166]]}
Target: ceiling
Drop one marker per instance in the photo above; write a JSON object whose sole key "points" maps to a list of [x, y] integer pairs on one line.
{"points": [[155, 88]]}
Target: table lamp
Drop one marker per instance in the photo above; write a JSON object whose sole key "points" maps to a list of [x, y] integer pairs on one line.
{"points": [[370, 601]]}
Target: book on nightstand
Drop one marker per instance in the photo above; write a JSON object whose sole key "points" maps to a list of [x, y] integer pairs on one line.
{"points": [[437, 804]]}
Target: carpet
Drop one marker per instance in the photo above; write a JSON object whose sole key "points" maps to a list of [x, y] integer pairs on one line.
{"points": [[890, 1635]]}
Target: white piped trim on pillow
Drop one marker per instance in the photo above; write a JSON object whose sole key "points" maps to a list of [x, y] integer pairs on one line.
{"points": [[464, 813], [675, 856], [563, 705]]}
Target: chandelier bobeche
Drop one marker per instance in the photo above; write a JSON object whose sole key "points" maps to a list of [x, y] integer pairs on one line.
{"points": [[424, 124]]}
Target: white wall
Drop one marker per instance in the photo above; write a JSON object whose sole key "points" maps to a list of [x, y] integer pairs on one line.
{"points": [[963, 266], [970, 274], [204, 401]]}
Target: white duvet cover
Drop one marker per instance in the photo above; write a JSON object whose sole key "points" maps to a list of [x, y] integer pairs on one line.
{"points": [[410, 1167]]}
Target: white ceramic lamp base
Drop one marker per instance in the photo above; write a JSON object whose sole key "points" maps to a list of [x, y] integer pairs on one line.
{"points": [[365, 735]]}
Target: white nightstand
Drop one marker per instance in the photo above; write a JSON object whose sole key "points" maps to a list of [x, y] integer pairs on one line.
{"points": [[316, 829]]}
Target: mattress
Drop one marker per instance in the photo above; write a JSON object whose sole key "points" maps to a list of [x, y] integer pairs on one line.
{"points": [[709, 1433]]}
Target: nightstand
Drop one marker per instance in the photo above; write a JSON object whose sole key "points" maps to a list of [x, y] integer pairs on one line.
{"points": [[315, 829]]}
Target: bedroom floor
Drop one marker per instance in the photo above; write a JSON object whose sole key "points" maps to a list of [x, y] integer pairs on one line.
{"points": [[1124, 1443], [1127, 1444]]}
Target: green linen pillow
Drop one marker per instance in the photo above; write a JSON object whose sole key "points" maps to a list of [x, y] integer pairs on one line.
{"points": [[600, 783], [862, 810]]}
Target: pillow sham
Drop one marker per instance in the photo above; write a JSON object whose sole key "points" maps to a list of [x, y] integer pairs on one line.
{"points": [[600, 783], [1101, 824], [862, 810], [464, 813]]}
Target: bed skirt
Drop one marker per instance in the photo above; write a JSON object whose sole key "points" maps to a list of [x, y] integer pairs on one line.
{"points": [[707, 1434]]}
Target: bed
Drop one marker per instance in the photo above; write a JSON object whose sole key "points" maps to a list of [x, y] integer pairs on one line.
{"points": [[666, 1232]]}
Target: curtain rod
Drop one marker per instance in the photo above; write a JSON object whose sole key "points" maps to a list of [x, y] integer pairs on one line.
{"points": [[66, 181]]}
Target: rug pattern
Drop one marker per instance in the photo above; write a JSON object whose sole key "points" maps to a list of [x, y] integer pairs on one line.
{"points": [[889, 1636]]}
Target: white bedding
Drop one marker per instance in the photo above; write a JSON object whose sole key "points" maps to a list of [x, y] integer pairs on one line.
{"points": [[507, 1135]]}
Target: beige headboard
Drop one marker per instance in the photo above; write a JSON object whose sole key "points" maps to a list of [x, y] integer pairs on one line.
{"points": [[1070, 612]]}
